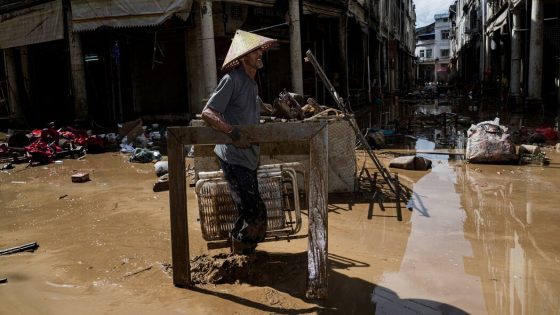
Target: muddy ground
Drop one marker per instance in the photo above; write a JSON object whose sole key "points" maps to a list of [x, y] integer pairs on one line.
{"points": [[481, 239]]}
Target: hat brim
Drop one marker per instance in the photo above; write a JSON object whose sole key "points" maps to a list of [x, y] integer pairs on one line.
{"points": [[243, 44]]}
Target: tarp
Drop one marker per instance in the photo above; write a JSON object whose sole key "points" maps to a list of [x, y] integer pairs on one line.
{"points": [[33, 25], [91, 14]]}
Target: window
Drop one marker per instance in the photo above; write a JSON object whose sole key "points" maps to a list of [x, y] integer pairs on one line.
{"points": [[445, 34], [428, 53], [444, 52], [422, 53]]}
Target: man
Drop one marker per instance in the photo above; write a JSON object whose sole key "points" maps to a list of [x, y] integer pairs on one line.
{"points": [[234, 103]]}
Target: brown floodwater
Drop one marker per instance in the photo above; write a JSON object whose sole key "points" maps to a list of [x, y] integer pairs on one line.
{"points": [[481, 239]]}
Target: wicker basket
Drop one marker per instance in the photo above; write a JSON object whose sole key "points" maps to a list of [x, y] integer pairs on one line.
{"points": [[278, 189]]}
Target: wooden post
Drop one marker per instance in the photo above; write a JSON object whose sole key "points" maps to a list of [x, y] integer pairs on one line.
{"points": [[10, 56], [77, 68], [178, 212], [295, 47], [317, 251]]}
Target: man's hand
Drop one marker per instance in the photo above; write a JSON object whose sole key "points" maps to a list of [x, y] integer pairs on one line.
{"points": [[239, 138]]}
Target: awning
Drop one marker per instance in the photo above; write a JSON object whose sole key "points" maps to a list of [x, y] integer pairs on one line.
{"points": [[497, 23], [320, 10], [37, 24], [91, 14]]}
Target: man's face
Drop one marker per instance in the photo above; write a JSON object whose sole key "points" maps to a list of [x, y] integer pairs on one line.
{"points": [[253, 59]]}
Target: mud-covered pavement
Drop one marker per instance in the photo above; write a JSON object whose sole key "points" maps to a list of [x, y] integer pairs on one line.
{"points": [[481, 239]]}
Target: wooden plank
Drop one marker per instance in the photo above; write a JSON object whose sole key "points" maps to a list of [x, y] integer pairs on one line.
{"points": [[317, 251], [270, 132], [178, 212]]}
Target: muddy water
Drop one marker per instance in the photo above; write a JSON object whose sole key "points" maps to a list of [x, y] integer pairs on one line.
{"points": [[481, 239]]}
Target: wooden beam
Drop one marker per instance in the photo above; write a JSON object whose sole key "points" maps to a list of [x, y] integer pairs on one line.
{"points": [[178, 212], [269, 132], [314, 132], [317, 250]]}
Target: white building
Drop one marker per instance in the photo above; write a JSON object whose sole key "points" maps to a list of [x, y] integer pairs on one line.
{"points": [[433, 50]]}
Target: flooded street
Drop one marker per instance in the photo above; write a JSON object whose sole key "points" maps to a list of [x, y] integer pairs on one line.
{"points": [[481, 239]]}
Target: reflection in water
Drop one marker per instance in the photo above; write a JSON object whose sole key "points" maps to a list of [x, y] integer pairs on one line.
{"points": [[433, 265], [514, 249], [483, 239]]}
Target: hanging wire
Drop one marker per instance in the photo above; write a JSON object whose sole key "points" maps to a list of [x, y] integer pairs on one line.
{"points": [[268, 27]]}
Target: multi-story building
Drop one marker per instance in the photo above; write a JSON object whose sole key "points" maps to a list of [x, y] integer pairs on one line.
{"points": [[433, 50], [506, 44], [105, 62]]}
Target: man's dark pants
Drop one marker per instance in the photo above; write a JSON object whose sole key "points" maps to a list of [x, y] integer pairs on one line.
{"points": [[250, 226]]}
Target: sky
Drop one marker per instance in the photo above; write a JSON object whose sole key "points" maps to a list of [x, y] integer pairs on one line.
{"points": [[426, 9]]}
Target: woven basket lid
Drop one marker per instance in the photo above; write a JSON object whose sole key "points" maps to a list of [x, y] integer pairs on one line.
{"points": [[242, 44]]}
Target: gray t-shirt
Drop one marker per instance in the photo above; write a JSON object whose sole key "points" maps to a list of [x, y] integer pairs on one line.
{"points": [[236, 99]]}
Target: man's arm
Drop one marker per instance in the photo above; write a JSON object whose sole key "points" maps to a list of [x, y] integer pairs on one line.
{"points": [[216, 121]]}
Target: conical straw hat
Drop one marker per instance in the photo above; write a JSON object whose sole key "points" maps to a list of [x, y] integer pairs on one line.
{"points": [[242, 44]]}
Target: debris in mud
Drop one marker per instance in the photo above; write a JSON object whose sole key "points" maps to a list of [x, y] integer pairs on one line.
{"points": [[8, 166], [132, 273], [3, 280], [162, 183], [411, 163], [141, 155], [161, 168], [21, 248], [80, 177], [538, 158], [50, 144]]}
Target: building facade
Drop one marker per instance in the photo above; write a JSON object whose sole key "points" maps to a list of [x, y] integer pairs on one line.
{"points": [[113, 61], [511, 41], [433, 51]]}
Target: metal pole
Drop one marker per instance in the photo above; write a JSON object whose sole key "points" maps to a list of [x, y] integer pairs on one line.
{"points": [[352, 122]]}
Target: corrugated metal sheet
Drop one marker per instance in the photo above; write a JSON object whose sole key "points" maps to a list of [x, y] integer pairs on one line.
{"points": [[91, 14], [32, 25]]}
